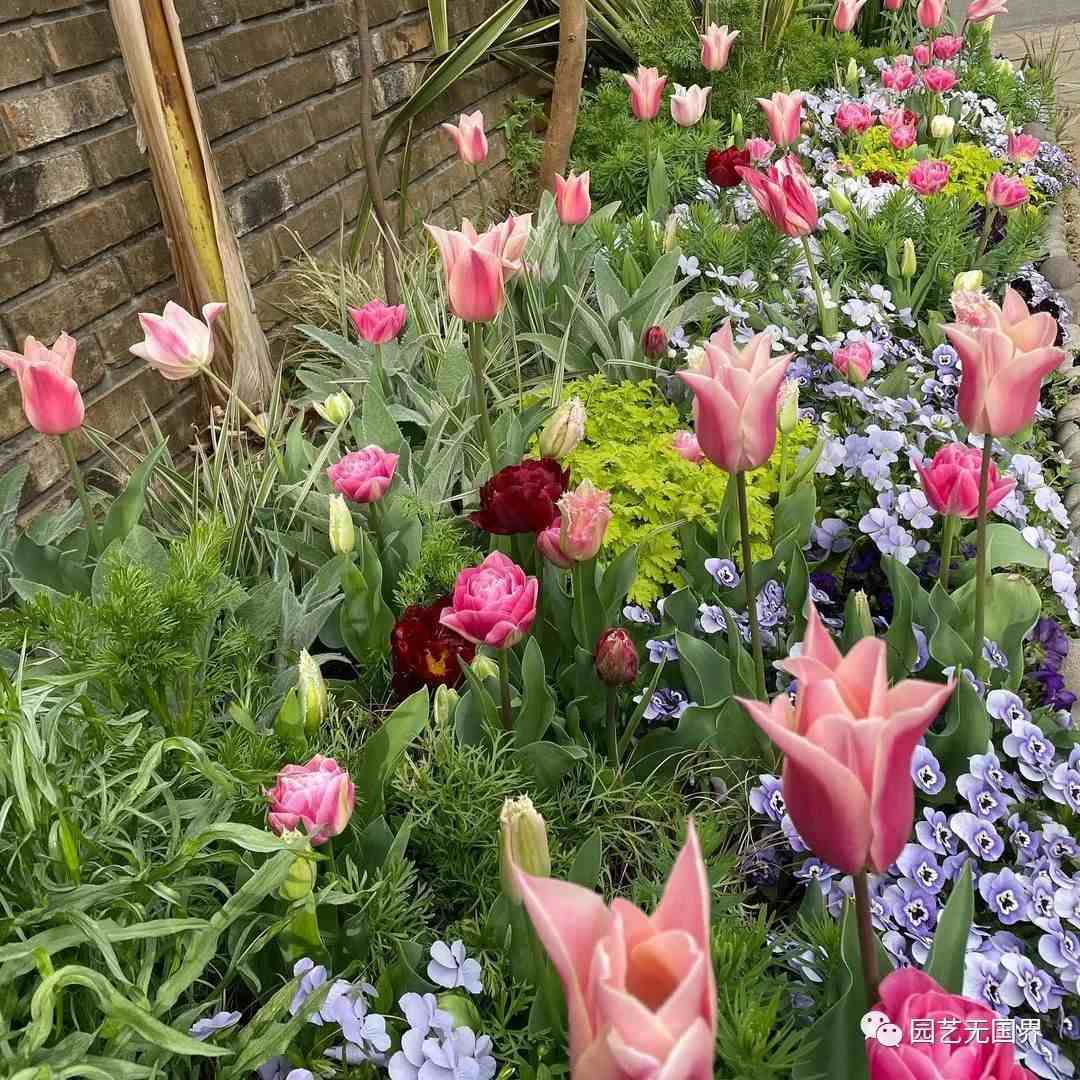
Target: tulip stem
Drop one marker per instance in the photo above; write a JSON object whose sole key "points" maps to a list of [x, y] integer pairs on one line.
{"points": [[979, 629], [476, 355], [80, 490], [819, 291], [504, 688], [748, 578], [612, 726], [948, 538], [991, 217], [867, 942], [229, 393], [783, 465]]}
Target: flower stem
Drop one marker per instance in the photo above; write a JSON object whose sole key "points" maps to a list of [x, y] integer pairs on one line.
{"points": [[227, 390], [748, 579], [979, 629], [867, 944], [68, 446], [991, 217], [612, 726], [379, 371], [476, 355], [819, 292], [783, 464], [504, 688], [948, 538]]}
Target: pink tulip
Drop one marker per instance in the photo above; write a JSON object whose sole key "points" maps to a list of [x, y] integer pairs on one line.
{"points": [[939, 80], [572, 201], [980, 10], [760, 150], [923, 54], [908, 996], [899, 78], [473, 269], [736, 400], [930, 13], [378, 323], [929, 176], [585, 515], [854, 116], [548, 544], [716, 45], [951, 481], [854, 361], [640, 990], [177, 345], [1006, 192], [848, 743], [493, 603], [903, 136], [470, 137], [893, 118], [894, 5], [686, 445], [319, 796], [50, 396], [783, 113], [508, 240], [784, 196], [1023, 147], [973, 307], [688, 104], [1003, 363], [847, 11], [646, 92], [948, 46], [364, 476]]}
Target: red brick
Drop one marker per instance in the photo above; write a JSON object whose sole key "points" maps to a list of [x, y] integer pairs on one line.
{"points": [[20, 59], [78, 41], [78, 299], [335, 113], [105, 222], [250, 47], [321, 170], [315, 221], [28, 189], [24, 263], [275, 141], [43, 117], [261, 201]]}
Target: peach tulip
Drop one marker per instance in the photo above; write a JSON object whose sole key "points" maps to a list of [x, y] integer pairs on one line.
{"points": [[688, 104], [640, 989], [930, 13], [784, 196], [783, 113], [1006, 192], [176, 344], [469, 136], [585, 514], [646, 92], [848, 742], [572, 201], [716, 45], [1023, 147], [736, 400], [50, 396], [847, 11], [981, 10]]}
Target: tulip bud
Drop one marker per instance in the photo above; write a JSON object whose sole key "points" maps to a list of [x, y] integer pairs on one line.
{"points": [[858, 616], [737, 129], [446, 699], [1005, 65], [564, 430], [311, 692], [908, 261], [655, 342], [840, 202], [301, 878], [671, 231], [942, 126], [853, 77], [788, 414], [523, 843], [483, 667], [289, 724], [969, 281], [336, 409], [616, 658], [342, 530]]}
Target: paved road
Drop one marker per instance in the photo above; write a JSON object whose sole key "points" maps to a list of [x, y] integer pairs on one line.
{"points": [[1029, 15]]}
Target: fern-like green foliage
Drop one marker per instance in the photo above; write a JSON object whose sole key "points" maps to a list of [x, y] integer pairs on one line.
{"points": [[627, 450], [444, 553]]}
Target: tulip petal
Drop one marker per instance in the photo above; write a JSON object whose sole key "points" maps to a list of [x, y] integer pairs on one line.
{"points": [[692, 1056]]}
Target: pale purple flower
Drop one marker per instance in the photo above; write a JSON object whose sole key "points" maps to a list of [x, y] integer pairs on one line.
{"points": [[983, 798], [986, 980], [665, 703], [313, 976], [979, 835], [768, 798], [1043, 897], [934, 832], [831, 535], [1006, 895], [1024, 840], [922, 867], [711, 619], [915, 509], [662, 649], [1058, 842], [1063, 786], [1060, 948], [1040, 991], [1006, 706], [724, 572], [459, 1056], [635, 613], [450, 967], [926, 771], [211, 1025]]}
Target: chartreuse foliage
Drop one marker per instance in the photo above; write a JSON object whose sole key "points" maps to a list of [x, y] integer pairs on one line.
{"points": [[628, 451]]}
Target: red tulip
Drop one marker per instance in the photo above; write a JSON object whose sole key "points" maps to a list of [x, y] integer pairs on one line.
{"points": [[616, 658], [722, 166], [521, 498], [951, 481], [50, 396]]}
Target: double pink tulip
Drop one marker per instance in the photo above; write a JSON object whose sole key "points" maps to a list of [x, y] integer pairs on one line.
{"points": [[476, 266], [377, 323], [470, 137], [736, 400], [894, 5], [50, 396], [176, 344], [899, 78], [640, 989], [784, 196], [929, 176], [716, 45], [572, 201], [947, 46], [903, 136], [688, 104], [783, 113], [1003, 360], [848, 742], [364, 476], [1023, 147], [1006, 192], [318, 796], [940, 80], [493, 603], [854, 117], [923, 54], [930, 13], [854, 361], [981, 10], [646, 92], [847, 11], [760, 150], [951, 481], [577, 533], [686, 445]]}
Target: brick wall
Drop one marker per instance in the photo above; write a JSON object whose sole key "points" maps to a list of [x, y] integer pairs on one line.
{"points": [[81, 245]]}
